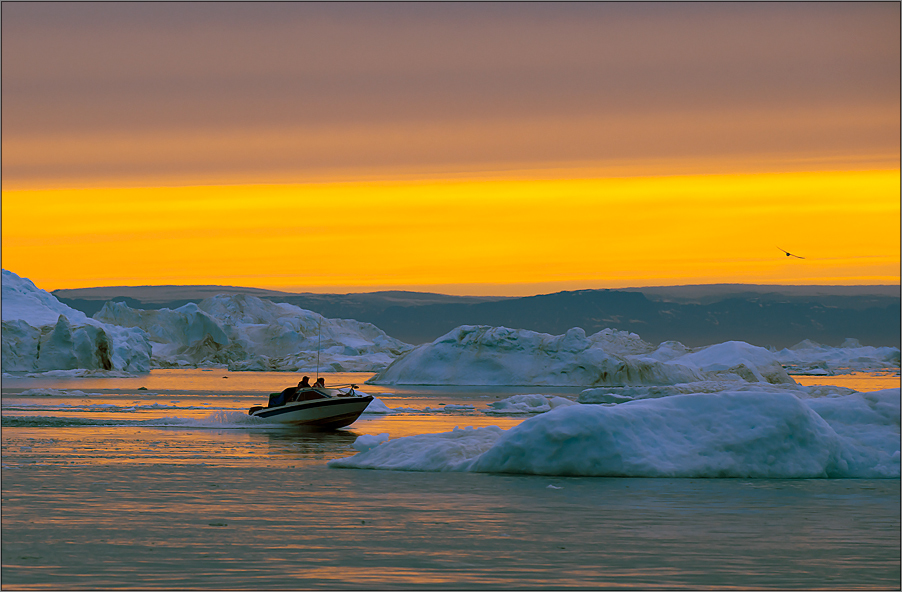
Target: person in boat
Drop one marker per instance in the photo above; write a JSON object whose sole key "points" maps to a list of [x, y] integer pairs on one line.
{"points": [[320, 383], [291, 393]]}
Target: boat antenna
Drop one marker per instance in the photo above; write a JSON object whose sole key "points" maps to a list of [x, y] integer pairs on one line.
{"points": [[319, 340]]}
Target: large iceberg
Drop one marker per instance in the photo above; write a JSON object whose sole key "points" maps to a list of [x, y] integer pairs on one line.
{"points": [[809, 357], [40, 334], [747, 434], [244, 332], [482, 355]]}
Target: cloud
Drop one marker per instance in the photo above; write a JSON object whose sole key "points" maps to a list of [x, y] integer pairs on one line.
{"points": [[144, 93]]}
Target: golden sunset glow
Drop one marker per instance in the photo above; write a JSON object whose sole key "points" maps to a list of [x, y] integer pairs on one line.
{"points": [[483, 236], [463, 148]]}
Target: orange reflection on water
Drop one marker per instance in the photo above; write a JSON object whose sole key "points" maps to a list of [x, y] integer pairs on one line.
{"points": [[399, 426], [860, 381]]}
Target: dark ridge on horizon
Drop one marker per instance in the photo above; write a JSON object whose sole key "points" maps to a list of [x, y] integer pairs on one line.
{"points": [[101, 292], [696, 315]]}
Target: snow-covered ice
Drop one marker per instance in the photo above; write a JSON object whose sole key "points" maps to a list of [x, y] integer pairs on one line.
{"points": [[737, 359], [244, 332], [630, 393], [750, 433], [366, 442], [809, 357], [41, 334], [518, 404], [377, 406], [482, 355]]}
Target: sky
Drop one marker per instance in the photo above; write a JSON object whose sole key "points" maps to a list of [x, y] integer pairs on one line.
{"points": [[486, 149]]}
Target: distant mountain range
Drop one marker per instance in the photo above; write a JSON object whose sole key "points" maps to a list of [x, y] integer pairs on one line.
{"points": [[780, 316]]}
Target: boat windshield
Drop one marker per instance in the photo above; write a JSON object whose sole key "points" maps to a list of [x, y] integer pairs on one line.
{"points": [[310, 395]]}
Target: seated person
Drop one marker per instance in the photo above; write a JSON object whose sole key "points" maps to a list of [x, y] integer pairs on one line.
{"points": [[320, 383], [291, 393]]}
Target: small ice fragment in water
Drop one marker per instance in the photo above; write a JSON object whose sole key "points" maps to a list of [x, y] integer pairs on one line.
{"points": [[367, 442], [553, 487]]}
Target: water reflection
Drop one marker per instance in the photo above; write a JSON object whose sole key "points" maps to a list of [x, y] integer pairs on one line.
{"points": [[304, 443], [259, 527], [859, 381]]}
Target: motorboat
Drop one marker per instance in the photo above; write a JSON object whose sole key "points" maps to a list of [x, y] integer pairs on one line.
{"points": [[315, 407]]}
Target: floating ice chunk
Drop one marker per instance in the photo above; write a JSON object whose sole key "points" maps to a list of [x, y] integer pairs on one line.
{"points": [[630, 393], [377, 406], [749, 434], [555, 402], [246, 333], [42, 334], [825, 390], [51, 392], [738, 359], [453, 407], [482, 355], [867, 424], [449, 407], [731, 434], [669, 350], [366, 442], [518, 404], [449, 451], [521, 404], [24, 301], [811, 358]]}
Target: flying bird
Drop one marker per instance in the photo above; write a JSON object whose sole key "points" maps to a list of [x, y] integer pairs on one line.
{"points": [[788, 254]]}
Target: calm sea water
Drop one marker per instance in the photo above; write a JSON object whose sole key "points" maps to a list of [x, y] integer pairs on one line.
{"points": [[107, 485]]}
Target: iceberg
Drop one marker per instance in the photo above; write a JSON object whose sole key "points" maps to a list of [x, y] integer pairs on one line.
{"points": [[745, 434], [737, 359], [613, 395], [519, 404], [809, 357], [41, 334], [482, 355], [244, 332]]}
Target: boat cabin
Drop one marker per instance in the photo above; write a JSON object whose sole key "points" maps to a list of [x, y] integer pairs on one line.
{"points": [[286, 396]]}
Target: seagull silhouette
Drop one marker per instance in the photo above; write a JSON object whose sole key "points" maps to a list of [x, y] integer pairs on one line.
{"points": [[788, 254]]}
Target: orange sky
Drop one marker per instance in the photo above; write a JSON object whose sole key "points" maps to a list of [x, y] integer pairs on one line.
{"points": [[473, 149]]}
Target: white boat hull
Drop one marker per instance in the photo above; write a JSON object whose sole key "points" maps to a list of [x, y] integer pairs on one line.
{"points": [[329, 413]]}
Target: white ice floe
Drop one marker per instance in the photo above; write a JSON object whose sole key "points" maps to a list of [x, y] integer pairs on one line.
{"points": [[519, 404], [482, 355], [24, 301], [867, 425], [749, 434], [377, 406], [445, 408], [737, 359], [42, 334], [623, 394], [456, 407], [809, 357], [366, 442], [51, 392], [426, 452], [244, 332]]}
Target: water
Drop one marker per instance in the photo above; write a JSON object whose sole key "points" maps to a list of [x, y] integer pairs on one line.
{"points": [[106, 486], [859, 381]]}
